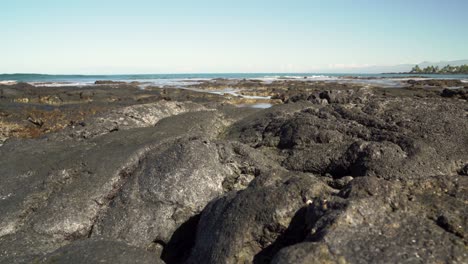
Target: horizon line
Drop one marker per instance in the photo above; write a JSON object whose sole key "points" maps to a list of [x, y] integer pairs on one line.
{"points": [[178, 73], [345, 70]]}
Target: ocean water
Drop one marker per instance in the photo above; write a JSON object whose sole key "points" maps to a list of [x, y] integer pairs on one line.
{"points": [[186, 79]]}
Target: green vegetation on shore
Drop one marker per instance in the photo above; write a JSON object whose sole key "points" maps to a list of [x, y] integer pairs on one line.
{"points": [[462, 69]]}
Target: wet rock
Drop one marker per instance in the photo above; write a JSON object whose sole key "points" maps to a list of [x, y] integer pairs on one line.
{"points": [[7, 92], [106, 82], [437, 82], [456, 93]]}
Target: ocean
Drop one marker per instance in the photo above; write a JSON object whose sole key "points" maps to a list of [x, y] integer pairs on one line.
{"points": [[185, 79]]}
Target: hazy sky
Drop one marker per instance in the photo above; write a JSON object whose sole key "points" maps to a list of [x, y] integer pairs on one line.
{"points": [[147, 36]]}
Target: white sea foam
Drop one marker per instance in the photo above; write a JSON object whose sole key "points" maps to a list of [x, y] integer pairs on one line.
{"points": [[8, 82], [313, 77], [272, 78], [60, 84], [376, 82], [260, 105], [230, 91], [253, 96], [169, 82]]}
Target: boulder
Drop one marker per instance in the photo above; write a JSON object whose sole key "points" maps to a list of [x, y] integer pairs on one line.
{"points": [[253, 224]]}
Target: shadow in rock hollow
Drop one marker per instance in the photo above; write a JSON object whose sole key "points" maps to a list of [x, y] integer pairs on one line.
{"points": [[177, 250], [295, 233]]}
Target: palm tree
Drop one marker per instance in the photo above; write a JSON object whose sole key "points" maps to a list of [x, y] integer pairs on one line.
{"points": [[416, 69]]}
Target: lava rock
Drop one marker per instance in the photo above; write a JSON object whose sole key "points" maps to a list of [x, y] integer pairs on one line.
{"points": [[436, 82], [456, 93], [377, 221], [99, 251], [253, 224], [391, 137]]}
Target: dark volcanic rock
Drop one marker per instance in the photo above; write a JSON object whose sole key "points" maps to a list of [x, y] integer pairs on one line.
{"points": [[69, 184], [437, 82], [135, 116], [99, 251], [171, 188], [171, 185], [390, 138], [333, 96], [336, 174], [457, 93], [253, 224], [109, 82], [464, 170], [377, 221]]}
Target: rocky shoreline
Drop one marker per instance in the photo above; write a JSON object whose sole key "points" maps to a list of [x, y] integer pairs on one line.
{"points": [[331, 173]]}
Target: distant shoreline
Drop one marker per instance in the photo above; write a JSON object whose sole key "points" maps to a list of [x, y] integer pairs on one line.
{"points": [[422, 74], [446, 70]]}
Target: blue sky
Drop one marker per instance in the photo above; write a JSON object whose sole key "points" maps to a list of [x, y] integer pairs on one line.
{"points": [[143, 36]]}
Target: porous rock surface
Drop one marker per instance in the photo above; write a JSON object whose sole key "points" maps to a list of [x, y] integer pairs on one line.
{"points": [[330, 176]]}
